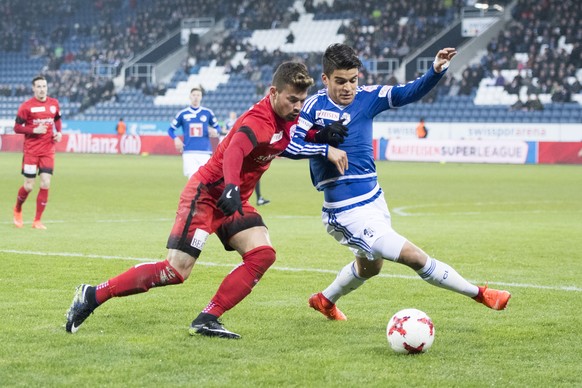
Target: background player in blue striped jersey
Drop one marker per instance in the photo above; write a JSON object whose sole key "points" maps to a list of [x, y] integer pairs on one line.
{"points": [[199, 126], [354, 211]]}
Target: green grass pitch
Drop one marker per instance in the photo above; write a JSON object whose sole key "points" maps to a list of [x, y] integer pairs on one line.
{"points": [[516, 227]]}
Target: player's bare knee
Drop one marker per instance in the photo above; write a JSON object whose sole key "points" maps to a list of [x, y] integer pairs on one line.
{"points": [[368, 268], [28, 185], [45, 180], [412, 256], [181, 262]]}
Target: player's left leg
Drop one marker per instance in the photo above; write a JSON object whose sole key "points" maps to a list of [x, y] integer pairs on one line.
{"points": [[349, 278], [444, 276]]}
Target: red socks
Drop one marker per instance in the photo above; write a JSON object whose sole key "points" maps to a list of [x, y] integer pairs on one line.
{"points": [[138, 279], [234, 288], [20, 198], [41, 200], [240, 282]]}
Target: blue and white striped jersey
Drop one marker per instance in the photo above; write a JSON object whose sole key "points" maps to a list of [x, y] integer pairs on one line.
{"points": [[194, 123], [358, 185]]}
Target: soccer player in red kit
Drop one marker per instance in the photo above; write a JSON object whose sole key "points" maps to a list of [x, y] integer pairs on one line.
{"points": [[216, 200], [39, 119]]}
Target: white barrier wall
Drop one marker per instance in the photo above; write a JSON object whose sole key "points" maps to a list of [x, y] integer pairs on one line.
{"points": [[482, 131]]}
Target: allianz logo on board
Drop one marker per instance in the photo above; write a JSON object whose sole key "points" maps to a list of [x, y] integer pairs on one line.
{"points": [[95, 144]]}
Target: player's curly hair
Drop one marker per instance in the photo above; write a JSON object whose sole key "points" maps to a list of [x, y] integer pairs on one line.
{"points": [[294, 74], [339, 56]]}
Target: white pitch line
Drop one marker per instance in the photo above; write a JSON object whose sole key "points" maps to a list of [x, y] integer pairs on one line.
{"points": [[133, 220], [415, 210], [276, 268]]}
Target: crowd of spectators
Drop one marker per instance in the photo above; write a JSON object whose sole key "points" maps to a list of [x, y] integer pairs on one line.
{"points": [[391, 29], [549, 32]]}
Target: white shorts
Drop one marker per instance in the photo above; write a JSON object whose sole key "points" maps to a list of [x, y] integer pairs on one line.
{"points": [[360, 227], [193, 161]]}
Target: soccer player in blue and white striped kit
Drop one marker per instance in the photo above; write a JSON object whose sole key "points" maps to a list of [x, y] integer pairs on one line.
{"points": [[199, 125], [354, 211]]}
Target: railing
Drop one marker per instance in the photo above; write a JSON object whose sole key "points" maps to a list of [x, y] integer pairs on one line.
{"points": [[383, 65], [105, 70]]}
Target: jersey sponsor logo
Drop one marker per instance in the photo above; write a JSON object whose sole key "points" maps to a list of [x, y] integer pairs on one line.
{"points": [[327, 114], [37, 109], [192, 116], [196, 130], [276, 137], [199, 239], [264, 159], [48, 121]]}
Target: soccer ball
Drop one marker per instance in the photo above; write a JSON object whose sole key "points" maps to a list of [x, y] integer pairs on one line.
{"points": [[410, 331]]}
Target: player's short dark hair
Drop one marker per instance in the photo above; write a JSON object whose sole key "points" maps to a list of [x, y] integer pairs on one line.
{"points": [[339, 56], [38, 78], [292, 74], [197, 88]]}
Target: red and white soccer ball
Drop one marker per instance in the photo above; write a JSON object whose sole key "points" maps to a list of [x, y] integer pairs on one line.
{"points": [[410, 331]]}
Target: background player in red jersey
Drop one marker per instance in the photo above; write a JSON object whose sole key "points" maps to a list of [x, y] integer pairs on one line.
{"points": [[216, 200], [39, 119]]}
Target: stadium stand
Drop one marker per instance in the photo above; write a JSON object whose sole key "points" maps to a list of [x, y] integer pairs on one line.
{"points": [[83, 50]]}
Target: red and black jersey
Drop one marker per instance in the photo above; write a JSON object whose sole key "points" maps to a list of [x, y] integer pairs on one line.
{"points": [[269, 135], [32, 113]]}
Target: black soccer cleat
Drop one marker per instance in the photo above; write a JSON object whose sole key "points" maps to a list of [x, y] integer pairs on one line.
{"points": [[212, 328], [80, 309]]}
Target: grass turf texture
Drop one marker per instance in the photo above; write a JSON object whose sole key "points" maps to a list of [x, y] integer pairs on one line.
{"points": [[517, 227]]}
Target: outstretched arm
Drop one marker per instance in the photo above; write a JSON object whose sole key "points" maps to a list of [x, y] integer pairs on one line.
{"points": [[413, 91]]}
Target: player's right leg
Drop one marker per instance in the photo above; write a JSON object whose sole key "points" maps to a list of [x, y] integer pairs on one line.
{"points": [[182, 254], [29, 179], [46, 166], [357, 229], [322, 304], [136, 280]]}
